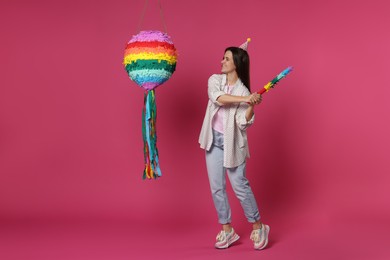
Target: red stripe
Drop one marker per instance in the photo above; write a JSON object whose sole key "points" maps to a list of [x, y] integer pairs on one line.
{"points": [[261, 91], [150, 45]]}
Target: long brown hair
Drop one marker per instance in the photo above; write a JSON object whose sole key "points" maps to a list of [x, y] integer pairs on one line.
{"points": [[241, 61]]}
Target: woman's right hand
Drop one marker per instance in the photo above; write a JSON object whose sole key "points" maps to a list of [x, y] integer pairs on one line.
{"points": [[254, 99]]}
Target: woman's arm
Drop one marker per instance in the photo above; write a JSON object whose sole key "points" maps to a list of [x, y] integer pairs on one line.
{"points": [[246, 114], [249, 112], [227, 99]]}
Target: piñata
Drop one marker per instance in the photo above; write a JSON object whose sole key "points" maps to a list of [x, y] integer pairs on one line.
{"points": [[150, 60]]}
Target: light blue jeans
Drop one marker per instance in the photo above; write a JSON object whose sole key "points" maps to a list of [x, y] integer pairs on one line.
{"points": [[217, 178]]}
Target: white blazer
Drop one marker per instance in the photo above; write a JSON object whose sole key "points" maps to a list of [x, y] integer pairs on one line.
{"points": [[236, 148]]}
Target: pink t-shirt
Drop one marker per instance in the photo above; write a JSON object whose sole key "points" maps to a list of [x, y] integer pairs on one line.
{"points": [[219, 116]]}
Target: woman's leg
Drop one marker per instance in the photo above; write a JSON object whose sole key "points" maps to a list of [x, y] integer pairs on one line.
{"points": [[217, 178], [244, 193]]}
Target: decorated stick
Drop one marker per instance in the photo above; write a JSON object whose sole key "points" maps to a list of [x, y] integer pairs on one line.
{"points": [[275, 80]]}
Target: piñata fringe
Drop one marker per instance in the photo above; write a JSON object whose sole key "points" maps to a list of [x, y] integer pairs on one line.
{"points": [[149, 116]]}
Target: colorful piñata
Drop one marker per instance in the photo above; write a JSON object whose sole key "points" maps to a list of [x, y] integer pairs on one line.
{"points": [[150, 60]]}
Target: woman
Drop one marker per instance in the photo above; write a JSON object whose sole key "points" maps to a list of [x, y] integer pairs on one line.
{"points": [[230, 111]]}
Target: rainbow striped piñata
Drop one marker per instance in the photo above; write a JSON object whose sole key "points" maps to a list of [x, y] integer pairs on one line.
{"points": [[150, 60]]}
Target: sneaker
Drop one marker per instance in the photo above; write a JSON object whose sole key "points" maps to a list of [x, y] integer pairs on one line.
{"points": [[225, 239], [260, 237]]}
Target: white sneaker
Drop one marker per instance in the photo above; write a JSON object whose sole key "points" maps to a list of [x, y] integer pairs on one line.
{"points": [[260, 237], [225, 239]]}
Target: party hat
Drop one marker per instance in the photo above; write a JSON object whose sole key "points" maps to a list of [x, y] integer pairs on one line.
{"points": [[244, 46]]}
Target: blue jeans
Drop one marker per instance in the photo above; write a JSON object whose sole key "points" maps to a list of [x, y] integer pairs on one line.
{"points": [[217, 178]]}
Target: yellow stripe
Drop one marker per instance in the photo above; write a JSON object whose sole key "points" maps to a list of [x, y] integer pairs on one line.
{"points": [[267, 86], [149, 56]]}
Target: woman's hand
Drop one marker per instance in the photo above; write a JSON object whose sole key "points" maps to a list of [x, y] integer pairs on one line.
{"points": [[254, 99]]}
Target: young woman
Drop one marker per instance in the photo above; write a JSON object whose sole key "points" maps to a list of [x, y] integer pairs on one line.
{"points": [[230, 111]]}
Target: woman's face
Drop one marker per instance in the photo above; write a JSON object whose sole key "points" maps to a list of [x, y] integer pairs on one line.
{"points": [[228, 63]]}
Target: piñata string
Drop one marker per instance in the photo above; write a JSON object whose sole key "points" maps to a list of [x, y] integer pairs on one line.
{"points": [[161, 15]]}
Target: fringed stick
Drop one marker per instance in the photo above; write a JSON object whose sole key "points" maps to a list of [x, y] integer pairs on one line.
{"points": [[149, 116], [275, 80]]}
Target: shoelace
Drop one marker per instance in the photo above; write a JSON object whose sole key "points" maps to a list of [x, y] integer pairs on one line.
{"points": [[221, 236], [255, 236]]}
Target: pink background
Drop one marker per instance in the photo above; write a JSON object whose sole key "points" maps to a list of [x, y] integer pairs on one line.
{"points": [[71, 156]]}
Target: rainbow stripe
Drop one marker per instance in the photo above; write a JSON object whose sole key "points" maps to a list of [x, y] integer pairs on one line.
{"points": [[150, 59]]}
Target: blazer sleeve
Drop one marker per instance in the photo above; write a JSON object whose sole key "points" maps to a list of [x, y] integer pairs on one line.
{"points": [[240, 115], [214, 89]]}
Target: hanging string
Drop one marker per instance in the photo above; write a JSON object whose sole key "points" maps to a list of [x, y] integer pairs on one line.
{"points": [[143, 15], [162, 16]]}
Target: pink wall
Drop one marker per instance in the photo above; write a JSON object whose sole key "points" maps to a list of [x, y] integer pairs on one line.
{"points": [[70, 119]]}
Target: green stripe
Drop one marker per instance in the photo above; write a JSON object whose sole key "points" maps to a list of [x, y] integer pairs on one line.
{"points": [[150, 64]]}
